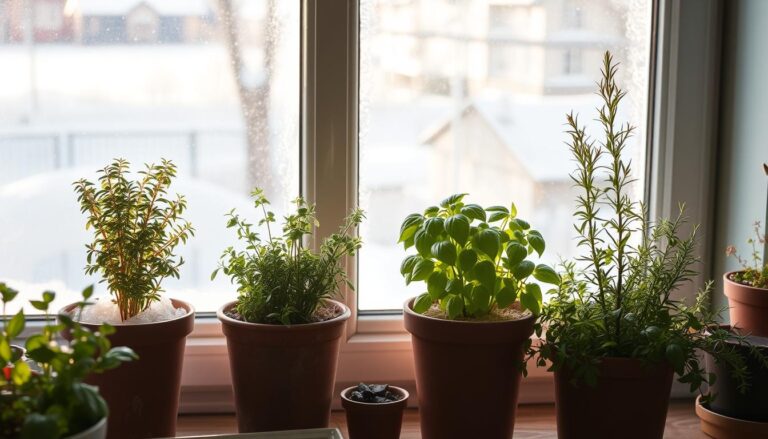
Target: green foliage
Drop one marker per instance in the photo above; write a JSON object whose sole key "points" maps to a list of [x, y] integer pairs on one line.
{"points": [[615, 300], [754, 271], [473, 259], [279, 281], [43, 395], [136, 228]]}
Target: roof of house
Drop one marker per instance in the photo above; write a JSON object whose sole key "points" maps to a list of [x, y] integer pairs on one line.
{"points": [[122, 7]]}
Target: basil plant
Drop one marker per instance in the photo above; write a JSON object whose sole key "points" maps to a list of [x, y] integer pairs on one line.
{"points": [[473, 259]]}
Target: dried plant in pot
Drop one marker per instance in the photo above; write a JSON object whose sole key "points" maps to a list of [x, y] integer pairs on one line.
{"points": [[283, 331], [747, 289], [42, 394], [476, 318], [614, 334], [374, 411], [137, 226]]}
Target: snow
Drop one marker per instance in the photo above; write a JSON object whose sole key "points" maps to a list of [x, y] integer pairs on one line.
{"points": [[105, 310]]}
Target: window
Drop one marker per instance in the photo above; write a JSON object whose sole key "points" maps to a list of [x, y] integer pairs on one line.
{"points": [[87, 81], [496, 128]]}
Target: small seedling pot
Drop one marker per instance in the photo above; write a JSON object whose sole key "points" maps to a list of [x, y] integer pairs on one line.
{"points": [[719, 426], [748, 306], [143, 395], [752, 405], [98, 431], [283, 376], [635, 398], [467, 374], [374, 420]]}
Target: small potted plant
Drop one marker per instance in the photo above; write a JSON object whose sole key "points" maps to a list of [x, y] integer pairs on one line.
{"points": [[470, 328], [137, 226], [374, 411], [42, 393], [284, 329], [614, 333], [747, 289]]}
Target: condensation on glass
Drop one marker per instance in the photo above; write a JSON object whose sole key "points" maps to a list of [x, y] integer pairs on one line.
{"points": [[471, 96], [211, 84]]}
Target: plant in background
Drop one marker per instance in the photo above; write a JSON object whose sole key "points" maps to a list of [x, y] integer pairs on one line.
{"points": [[754, 268], [279, 280], [51, 401], [473, 260], [616, 299], [136, 228]]}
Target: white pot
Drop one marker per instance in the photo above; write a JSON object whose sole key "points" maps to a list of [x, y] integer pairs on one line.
{"points": [[98, 431]]}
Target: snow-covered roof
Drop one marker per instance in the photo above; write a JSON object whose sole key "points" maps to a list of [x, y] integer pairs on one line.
{"points": [[172, 8]]}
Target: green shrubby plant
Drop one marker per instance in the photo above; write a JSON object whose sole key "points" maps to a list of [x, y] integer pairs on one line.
{"points": [[279, 280], [43, 396], [136, 228], [754, 270], [473, 259], [615, 300]]}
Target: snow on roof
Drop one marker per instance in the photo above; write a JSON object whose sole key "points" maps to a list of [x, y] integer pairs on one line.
{"points": [[122, 7]]}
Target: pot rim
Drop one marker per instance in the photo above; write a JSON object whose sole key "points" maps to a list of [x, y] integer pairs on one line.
{"points": [[67, 310], [404, 393], [727, 279], [704, 412], [89, 430], [409, 310], [227, 320]]}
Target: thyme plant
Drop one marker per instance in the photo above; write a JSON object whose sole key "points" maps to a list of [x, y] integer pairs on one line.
{"points": [[136, 227], [473, 260], [754, 270], [615, 300], [279, 280], [43, 396]]}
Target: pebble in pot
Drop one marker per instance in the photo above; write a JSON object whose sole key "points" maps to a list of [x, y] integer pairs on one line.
{"points": [[374, 411]]}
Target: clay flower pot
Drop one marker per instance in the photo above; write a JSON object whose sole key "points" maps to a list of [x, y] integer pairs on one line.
{"points": [[143, 395], [467, 374], [748, 306], [374, 420], [719, 426], [628, 398], [283, 376], [729, 401], [98, 431]]}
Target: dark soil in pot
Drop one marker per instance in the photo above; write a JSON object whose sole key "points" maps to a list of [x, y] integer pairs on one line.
{"points": [[369, 419], [283, 376], [467, 374], [748, 306], [629, 401], [729, 401], [143, 395]]}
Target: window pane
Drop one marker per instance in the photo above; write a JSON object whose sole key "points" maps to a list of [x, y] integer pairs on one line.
{"points": [[83, 82], [471, 96]]}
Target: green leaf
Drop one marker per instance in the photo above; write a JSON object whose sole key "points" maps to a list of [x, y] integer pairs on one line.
{"points": [[512, 210], [506, 295], [408, 263], [5, 350], [457, 227], [546, 274], [498, 209], [20, 373], [531, 298], [431, 211], [39, 305], [455, 287], [485, 272], [48, 296], [516, 252], [422, 270], [15, 325], [422, 303], [435, 227], [524, 269], [436, 285], [481, 299], [423, 243], [409, 226], [453, 199], [37, 426], [473, 211], [445, 252], [536, 241], [488, 242], [497, 216], [454, 307], [88, 292], [467, 259], [676, 357]]}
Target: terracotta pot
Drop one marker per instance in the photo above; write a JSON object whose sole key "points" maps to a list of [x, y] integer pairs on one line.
{"points": [[282, 376], [374, 421], [723, 427], [748, 306], [143, 395], [98, 431], [467, 374], [751, 405], [628, 398]]}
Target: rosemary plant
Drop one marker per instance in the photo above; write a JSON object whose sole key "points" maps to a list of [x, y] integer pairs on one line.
{"points": [[615, 300], [752, 273], [136, 227], [279, 280]]}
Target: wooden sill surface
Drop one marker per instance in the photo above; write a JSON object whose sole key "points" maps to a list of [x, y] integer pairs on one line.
{"points": [[533, 422]]}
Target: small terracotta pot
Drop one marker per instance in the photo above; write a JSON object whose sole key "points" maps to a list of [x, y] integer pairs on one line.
{"points": [[720, 426], [283, 376], [467, 374], [143, 395], [752, 405], [628, 398], [748, 306], [374, 421]]}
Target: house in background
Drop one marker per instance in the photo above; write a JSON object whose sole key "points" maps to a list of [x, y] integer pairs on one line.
{"points": [[44, 22]]}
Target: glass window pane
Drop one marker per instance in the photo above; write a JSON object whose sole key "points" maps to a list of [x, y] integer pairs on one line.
{"points": [[471, 96], [83, 82]]}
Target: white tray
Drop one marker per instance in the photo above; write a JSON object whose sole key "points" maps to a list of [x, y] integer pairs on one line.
{"points": [[315, 433]]}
